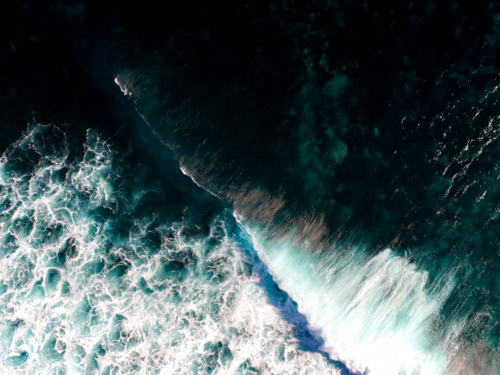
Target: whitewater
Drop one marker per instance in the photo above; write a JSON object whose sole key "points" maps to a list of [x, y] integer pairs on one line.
{"points": [[96, 279], [102, 272]]}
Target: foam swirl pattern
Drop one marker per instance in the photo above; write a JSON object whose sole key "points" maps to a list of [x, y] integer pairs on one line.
{"points": [[98, 276]]}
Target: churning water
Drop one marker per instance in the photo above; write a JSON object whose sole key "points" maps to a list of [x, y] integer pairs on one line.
{"points": [[98, 278]]}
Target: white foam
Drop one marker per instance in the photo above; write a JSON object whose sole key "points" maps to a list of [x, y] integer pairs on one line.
{"points": [[146, 321], [122, 86], [375, 313]]}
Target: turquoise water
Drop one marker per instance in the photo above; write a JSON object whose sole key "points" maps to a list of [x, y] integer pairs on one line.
{"points": [[100, 275], [377, 314], [108, 269]]}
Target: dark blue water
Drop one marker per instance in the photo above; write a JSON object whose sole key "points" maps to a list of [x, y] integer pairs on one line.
{"points": [[260, 187]]}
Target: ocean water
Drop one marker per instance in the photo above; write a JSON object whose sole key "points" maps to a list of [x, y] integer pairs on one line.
{"points": [[104, 272], [377, 314], [96, 278], [260, 187]]}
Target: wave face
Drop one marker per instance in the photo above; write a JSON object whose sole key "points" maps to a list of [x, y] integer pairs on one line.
{"points": [[100, 273], [425, 302], [379, 315]]}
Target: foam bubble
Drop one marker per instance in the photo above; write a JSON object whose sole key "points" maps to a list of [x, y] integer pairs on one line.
{"points": [[96, 279]]}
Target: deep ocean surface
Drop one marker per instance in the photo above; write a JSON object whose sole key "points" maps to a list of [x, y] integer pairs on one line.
{"points": [[260, 187]]}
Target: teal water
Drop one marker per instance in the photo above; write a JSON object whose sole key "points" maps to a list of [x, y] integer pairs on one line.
{"points": [[285, 187], [379, 315], [108, 268], [101, 275]]}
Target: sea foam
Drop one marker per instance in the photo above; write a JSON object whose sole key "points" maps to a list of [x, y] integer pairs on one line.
{"points": [[97, 278]]}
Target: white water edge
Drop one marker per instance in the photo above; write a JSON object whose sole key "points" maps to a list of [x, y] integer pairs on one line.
{"points": [[375, 313]]}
